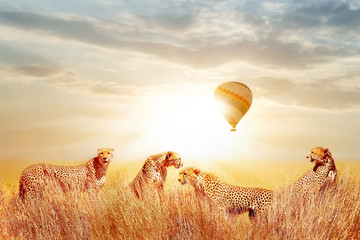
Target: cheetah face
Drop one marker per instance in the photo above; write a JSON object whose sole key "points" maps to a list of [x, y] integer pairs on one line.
{"points": [[319, 155], [188, 175], [105, 155], [173, 159]]}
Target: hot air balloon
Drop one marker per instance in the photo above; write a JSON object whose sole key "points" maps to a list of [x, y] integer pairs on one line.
{"points": [[233, 100]]}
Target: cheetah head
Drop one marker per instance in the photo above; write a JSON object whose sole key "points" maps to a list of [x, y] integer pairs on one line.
{"points": [[105, 155], [320, 155], [172, 159], [188, 175]]}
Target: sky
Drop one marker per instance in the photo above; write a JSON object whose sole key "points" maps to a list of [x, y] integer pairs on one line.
{"points": [[139, 76]]}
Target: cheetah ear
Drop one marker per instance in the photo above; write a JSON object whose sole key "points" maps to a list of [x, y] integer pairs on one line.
{"points": [[196, 171], [168, 155], [327, 153]]}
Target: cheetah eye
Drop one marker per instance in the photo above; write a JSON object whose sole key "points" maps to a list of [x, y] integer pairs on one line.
{"points": [[185, 173]]}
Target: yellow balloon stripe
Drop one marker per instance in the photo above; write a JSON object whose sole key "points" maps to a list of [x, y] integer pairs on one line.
{"points": [[229, 95], [225, 100], [233, 96]]}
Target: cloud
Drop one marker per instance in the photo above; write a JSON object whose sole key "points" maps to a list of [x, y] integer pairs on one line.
{"points": [[266, 50], [20, 65], [327, 14], [169, 21], [325, 94], [38, 71], [335, 24], [64, 79], [14, 55], [72, 82], [18, 62]]}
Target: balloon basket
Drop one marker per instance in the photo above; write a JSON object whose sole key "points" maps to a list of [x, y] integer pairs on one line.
{"points": [[233, 130]]}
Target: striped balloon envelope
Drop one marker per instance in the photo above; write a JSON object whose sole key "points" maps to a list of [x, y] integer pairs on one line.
{"points": [[233, 100]]}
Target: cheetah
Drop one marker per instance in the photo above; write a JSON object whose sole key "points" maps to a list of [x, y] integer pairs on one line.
{"points": [[89, 177], [229, 198], [153, 173], [320, 177]]}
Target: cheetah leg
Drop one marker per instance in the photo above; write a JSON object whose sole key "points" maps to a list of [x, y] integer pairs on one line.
{"points": [[221, 208], [160, 192], [252, 214], [22, 192], [138, 190], [136, 193], [92, 193], [199, 200]]}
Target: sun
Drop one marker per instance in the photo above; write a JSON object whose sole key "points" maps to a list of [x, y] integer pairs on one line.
{"points": [[191, 125]]}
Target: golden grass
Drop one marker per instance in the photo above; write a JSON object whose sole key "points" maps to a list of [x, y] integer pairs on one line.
{"points": [[118, 215]]}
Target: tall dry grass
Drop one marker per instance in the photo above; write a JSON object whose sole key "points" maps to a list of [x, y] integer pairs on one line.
{"points": [[332, 214], [117, 214]]}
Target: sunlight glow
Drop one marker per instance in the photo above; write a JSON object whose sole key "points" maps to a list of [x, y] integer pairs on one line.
{"points": [[191, 125]]}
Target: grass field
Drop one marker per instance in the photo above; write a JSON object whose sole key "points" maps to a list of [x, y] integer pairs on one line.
{"points": [[118, 215]]}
